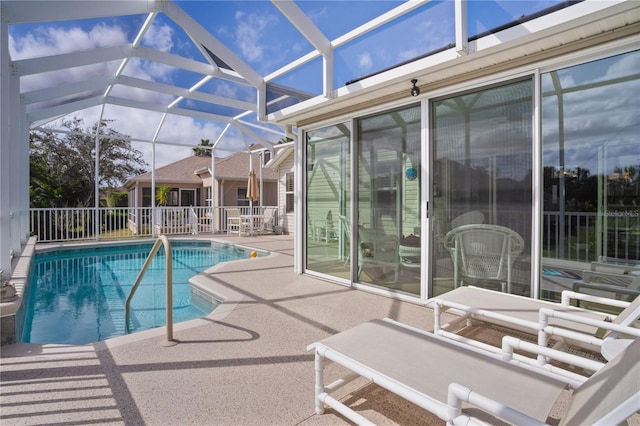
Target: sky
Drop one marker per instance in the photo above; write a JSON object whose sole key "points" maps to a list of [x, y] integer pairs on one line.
{"points": [[258, 34]]}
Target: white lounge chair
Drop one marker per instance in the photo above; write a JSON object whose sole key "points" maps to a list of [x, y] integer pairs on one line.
{"points": [[561, 322], [462, 384]]}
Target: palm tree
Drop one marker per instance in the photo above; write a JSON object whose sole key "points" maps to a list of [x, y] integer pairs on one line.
{"points": [[162, 195], [202, 152]]}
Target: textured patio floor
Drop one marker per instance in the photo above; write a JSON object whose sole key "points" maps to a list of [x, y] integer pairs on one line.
{"points": [[244, 365]]}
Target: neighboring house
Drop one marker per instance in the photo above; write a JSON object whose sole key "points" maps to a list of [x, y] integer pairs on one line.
{"points": [[191, 183], [282, 163]]}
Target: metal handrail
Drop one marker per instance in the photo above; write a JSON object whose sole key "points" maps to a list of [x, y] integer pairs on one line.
{"points": [[162, 240]]}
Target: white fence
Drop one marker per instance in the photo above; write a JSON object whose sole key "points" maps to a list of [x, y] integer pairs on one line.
{"points": [[571, 236], [74, 224], [576, 235]]}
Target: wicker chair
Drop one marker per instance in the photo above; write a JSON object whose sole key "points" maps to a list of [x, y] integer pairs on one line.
{"points": [[483, 252]]}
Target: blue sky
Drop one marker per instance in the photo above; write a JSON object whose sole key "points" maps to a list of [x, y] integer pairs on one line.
{"points": [[263, 38]]}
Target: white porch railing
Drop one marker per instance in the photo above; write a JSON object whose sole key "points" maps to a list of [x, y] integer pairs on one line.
{"points": [[573, 237], [104, 223]]}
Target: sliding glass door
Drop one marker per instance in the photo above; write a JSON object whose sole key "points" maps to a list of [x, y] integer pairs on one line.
{"points": [[388, 203], [591, 168], [328, 196], [481, 210]]}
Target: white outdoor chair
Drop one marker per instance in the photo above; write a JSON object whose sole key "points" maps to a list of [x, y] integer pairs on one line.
{"points": [[465, 385], [483, 252], [323, 226], [235, 224], [410, 256], [468, 218], [268, 220], [567, 326]]}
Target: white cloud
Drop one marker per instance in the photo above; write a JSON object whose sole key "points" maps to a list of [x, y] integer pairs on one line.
{"points": [[159, 37], [249, 34], [365, 62], [139, 124]]}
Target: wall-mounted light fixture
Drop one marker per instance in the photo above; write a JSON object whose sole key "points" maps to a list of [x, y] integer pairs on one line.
{"points": [[415, 90]]}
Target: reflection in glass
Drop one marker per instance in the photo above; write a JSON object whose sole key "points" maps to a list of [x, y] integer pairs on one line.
{"points": [[482, 179], [388, 203], [591, 168], [328, 191]]}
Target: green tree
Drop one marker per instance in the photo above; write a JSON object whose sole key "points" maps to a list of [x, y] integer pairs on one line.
{"points": [[284, 140], [162, 195], [63, 164], [202, 152]]}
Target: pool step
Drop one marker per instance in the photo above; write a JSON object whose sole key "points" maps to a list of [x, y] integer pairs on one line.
{"points": [[115, 299]]}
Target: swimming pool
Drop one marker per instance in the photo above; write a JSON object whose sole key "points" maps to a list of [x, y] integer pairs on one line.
{"points": [[77, 295]]}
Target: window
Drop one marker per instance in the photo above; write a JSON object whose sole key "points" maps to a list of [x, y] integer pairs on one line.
{"points": [[241, 197], [591, 164], [289, 193], [146, 197], [187, 197]]}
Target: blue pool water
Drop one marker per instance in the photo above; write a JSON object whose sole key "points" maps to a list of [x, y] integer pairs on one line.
{"points": [[77, 296]]}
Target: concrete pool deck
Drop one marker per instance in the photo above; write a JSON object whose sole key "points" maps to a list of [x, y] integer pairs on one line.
{"points": [[242, 366]]}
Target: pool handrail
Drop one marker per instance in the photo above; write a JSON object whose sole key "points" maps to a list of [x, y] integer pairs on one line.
{"points": [[162, 240]]}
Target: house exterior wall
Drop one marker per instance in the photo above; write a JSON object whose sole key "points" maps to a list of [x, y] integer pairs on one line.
{"points": [[486, 159], [135, 198], [229, 193], [287, 220]]}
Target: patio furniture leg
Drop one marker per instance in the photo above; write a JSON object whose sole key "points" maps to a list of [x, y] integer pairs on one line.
{"points": [[319, 389]]}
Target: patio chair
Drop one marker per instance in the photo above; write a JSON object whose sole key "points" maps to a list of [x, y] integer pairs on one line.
{"points": [[567, 326], [409, 252], [463, 385], [468, 218], [323, 226], [482, 252], [235, 223], [268, 220], [378, 250]]}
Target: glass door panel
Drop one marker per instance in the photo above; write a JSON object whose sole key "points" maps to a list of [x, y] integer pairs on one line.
{"points": [[388, 206], [591, 169], [482, 181], [328, 197]]}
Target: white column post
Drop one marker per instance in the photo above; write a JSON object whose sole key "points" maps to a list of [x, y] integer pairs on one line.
{"points": [[24, 174], [15, 196], [7, 155]]}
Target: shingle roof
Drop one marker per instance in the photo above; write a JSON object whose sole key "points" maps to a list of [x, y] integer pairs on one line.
{"points": [[235, 166]]}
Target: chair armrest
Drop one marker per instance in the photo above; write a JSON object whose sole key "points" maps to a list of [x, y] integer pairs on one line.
{"points": [[549, 330], [510, 344], [568, 295], [457, 394]]}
